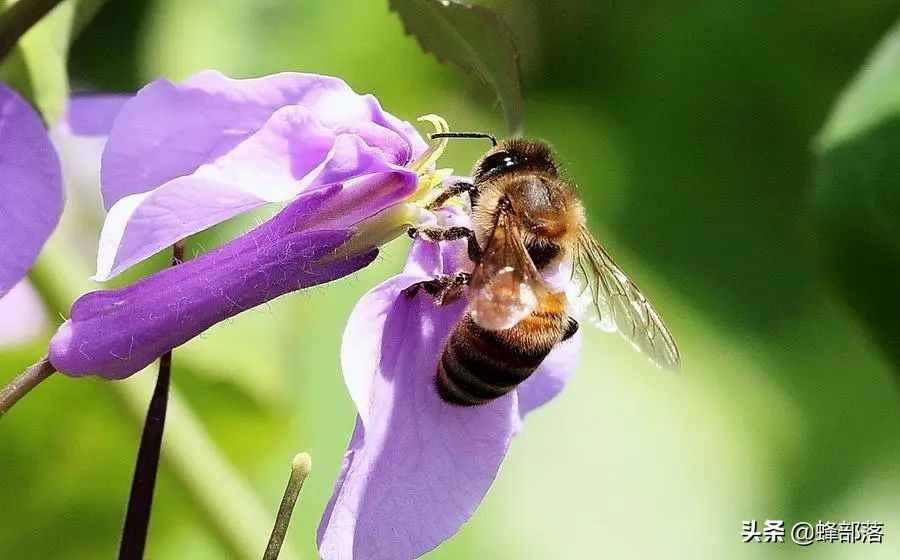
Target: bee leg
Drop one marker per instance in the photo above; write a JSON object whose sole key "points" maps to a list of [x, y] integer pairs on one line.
{"points": [[454, 290], [431, 287], [453, 190], [571, 329], [449, 234], [444, 289]]}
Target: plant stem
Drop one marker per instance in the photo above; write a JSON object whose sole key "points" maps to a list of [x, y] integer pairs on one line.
{"points": [[300, 468], [23, 383], [140, 500], [16, 20]]}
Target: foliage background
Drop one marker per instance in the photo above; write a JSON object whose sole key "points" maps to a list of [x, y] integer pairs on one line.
{"points": [[690, 130]]}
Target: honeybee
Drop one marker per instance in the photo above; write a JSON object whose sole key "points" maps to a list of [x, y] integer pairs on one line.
{"points": [[527, 220]]}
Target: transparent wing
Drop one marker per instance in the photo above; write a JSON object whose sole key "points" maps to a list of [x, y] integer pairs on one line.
{"points": [[618, 303], [505, 285]]}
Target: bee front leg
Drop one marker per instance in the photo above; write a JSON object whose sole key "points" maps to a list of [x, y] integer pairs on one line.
{"points": [[444, 289], [453, 190], [449, 234]]}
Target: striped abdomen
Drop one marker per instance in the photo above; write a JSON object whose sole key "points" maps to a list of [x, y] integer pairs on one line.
{"points": [[479, 365]]}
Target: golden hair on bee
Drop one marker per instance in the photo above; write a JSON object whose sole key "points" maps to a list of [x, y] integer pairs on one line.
{"points": [[546, 205]]}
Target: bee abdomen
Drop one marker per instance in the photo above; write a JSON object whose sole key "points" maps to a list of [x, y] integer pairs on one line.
{"points": [[478, 366]]}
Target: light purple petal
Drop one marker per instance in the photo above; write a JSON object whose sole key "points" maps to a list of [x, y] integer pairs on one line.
{"points": [[417, 468], [290, 155], [360, 350], [22, 315], [320, 132], [169, 130], [184, 157], [31, 196], [115, 333]]}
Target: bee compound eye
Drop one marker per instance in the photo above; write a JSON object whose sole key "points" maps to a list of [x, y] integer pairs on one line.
{"points": [[499, 161]]}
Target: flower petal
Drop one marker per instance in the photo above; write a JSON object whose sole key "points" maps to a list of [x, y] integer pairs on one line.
{"points": [[115, 333], [551, 377], [79, 139], [291, 154], [170, 130], [417, 467], [360, 349], [31, 195]]}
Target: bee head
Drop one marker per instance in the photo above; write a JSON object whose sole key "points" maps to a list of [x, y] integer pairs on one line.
{"points": [[515, 155]]}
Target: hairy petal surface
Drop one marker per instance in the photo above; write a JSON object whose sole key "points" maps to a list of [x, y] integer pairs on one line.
{"points": [[31, 195], [184, 157], [115, 333]]}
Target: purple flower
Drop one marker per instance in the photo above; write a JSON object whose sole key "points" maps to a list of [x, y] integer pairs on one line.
{"points": [[31, 196], [183, 157], [416, 467]]}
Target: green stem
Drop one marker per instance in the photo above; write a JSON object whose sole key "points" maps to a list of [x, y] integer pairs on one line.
{"points": [[300, 468], [17, 19], [23, 383]]}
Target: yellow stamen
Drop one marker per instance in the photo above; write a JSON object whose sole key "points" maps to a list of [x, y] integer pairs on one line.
{"points": [[428, 159], [393, 222]]}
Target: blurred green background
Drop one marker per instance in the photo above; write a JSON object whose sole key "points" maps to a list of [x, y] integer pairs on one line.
{"points": [[689, 128]]}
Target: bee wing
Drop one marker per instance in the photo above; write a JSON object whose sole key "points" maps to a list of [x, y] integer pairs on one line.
{"points": [[505, 285], [620, 305]]}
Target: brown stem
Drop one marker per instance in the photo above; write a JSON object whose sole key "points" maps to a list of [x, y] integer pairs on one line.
{"points": [[23, 383], [16, 20], [140, 500]]}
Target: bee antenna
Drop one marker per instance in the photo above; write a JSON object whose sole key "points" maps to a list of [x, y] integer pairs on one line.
{"points": [[464, 135]]}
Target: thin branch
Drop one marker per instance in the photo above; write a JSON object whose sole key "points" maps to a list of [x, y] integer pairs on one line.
{"points": [[16, 20], [300, 468], [140, 500], [23, 383]]}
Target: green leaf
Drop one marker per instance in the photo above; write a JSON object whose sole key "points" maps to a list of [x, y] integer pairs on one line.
{"points": [[856, 202], [37, 65], [473, 37]]}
